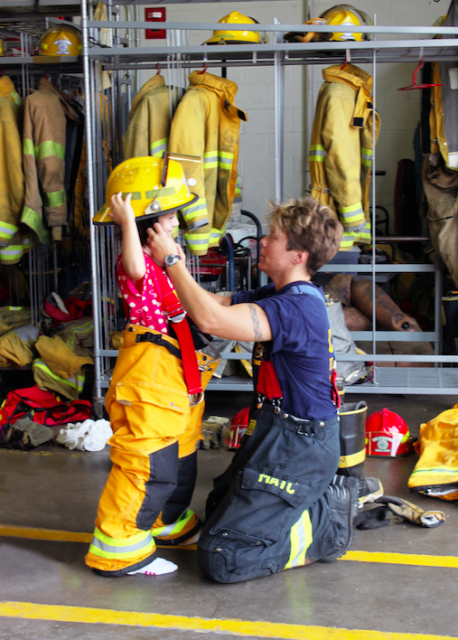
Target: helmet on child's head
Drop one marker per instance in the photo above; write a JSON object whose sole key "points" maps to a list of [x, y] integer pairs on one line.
{"points": [[157, 185], [226, 36], [61, 40], [387, 434]]}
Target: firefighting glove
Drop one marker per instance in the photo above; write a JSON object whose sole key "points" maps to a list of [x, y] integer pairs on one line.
{"points": [[395, 510]]}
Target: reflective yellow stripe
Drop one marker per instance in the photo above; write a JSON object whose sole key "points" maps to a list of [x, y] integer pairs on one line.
{"points": [[366, 156], [301, 538], [211, 159], [225, 159], [175, 527], [49, 148], [196, 209], [28, 148], [347, 240], [68, 381], [345, 462], [197, 241], [12, 253], [7, 230], [317, 153], [55, 198], [159, 147], [88, 327], [16, 98], [121, 548], [215, 237], [439, 471]]}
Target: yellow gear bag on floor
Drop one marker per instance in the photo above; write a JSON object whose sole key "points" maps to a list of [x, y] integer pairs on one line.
{"points": [[436, 472]]}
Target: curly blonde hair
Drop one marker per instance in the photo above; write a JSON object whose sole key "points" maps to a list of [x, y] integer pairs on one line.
{"points": [[309, 226]]}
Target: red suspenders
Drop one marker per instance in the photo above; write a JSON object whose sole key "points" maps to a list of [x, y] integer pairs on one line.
{"points": [[177, 315]]}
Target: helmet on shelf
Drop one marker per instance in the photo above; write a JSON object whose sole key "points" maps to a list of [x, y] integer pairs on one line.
{"points": [[158, 186], [61, 40], [233, 433], [347, 15], [340, 14], [235, 37], [387, 434]]}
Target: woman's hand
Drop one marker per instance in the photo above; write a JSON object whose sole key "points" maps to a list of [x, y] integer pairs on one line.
{"points": [[161, 244], [180, 251], [121, 210]]}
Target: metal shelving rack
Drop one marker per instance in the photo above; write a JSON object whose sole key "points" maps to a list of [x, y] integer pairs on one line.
{"points": [[179, 55], [27, 19]]}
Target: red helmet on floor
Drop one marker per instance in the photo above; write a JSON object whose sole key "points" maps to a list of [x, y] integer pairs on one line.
{"points": [[387, 435], [233, 433]]}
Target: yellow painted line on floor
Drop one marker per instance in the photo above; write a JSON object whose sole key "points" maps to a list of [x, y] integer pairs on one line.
{"points": [[402, 558], [450, 562], [261, 629], [44, 534], [54, 535]]}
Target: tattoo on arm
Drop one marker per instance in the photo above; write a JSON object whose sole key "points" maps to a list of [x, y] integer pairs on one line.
{"points": [[255, 321]]}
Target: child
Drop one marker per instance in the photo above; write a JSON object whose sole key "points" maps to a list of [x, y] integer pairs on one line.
{"points": [[148, 401]]}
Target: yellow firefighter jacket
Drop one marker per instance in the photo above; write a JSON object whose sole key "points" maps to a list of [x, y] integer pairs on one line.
{"points": [[206, 124], [341, 149], [11, 174], [150, 115], [436, 472], [44, 160]]}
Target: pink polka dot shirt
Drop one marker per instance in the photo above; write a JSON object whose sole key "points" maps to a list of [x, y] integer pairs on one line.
{"points": [[143, 303]]}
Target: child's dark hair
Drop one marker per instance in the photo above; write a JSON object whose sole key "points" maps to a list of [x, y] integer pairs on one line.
{"points": [[142, 226]]}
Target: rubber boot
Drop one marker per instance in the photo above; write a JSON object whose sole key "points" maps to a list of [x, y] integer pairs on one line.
{"points": [[338, 507], [352, 439]]}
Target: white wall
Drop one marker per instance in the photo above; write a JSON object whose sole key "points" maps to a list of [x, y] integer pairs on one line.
{"points": [[399, 110], [256, 97]]}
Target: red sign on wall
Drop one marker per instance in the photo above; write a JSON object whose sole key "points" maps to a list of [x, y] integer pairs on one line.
{"points": [[155, 15]]}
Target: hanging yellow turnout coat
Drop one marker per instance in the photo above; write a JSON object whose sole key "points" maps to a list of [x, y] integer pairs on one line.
{"points": [[206, 124], [341, 149]]}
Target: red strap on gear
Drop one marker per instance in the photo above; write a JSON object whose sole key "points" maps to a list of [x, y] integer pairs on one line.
{"points": [[177, 315], [335, 392], [268, 384]]}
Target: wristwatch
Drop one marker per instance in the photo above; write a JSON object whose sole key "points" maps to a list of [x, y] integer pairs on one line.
{"points": [[171, 260]]}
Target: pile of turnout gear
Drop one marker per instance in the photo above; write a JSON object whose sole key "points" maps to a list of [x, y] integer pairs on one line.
{"points": [[28, 415]]}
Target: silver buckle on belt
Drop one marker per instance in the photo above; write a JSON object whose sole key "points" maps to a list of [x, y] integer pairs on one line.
{"points": [[178, 318]]}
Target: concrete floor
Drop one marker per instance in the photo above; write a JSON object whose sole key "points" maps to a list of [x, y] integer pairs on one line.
{"points": [[54, 488]]}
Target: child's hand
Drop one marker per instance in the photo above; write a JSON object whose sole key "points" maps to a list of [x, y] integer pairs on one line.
{"points": [[121, 210]]}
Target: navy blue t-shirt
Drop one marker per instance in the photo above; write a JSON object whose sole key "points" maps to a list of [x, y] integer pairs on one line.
{"points": [[302, 351]]}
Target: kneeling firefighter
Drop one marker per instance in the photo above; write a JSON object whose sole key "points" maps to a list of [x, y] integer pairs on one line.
{"points": [[277, 507], [265, 474], [155, 399]]}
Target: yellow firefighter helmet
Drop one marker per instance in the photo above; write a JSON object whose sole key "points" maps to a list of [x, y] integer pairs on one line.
{"points": [[61, 40], [157, 185], [346, 14], [340, 14], [235, 37]]}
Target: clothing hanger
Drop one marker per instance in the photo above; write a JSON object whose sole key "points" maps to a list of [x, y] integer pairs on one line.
{"points": [[158, 72], [414, 84], [347, 59], [205, 65]]}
